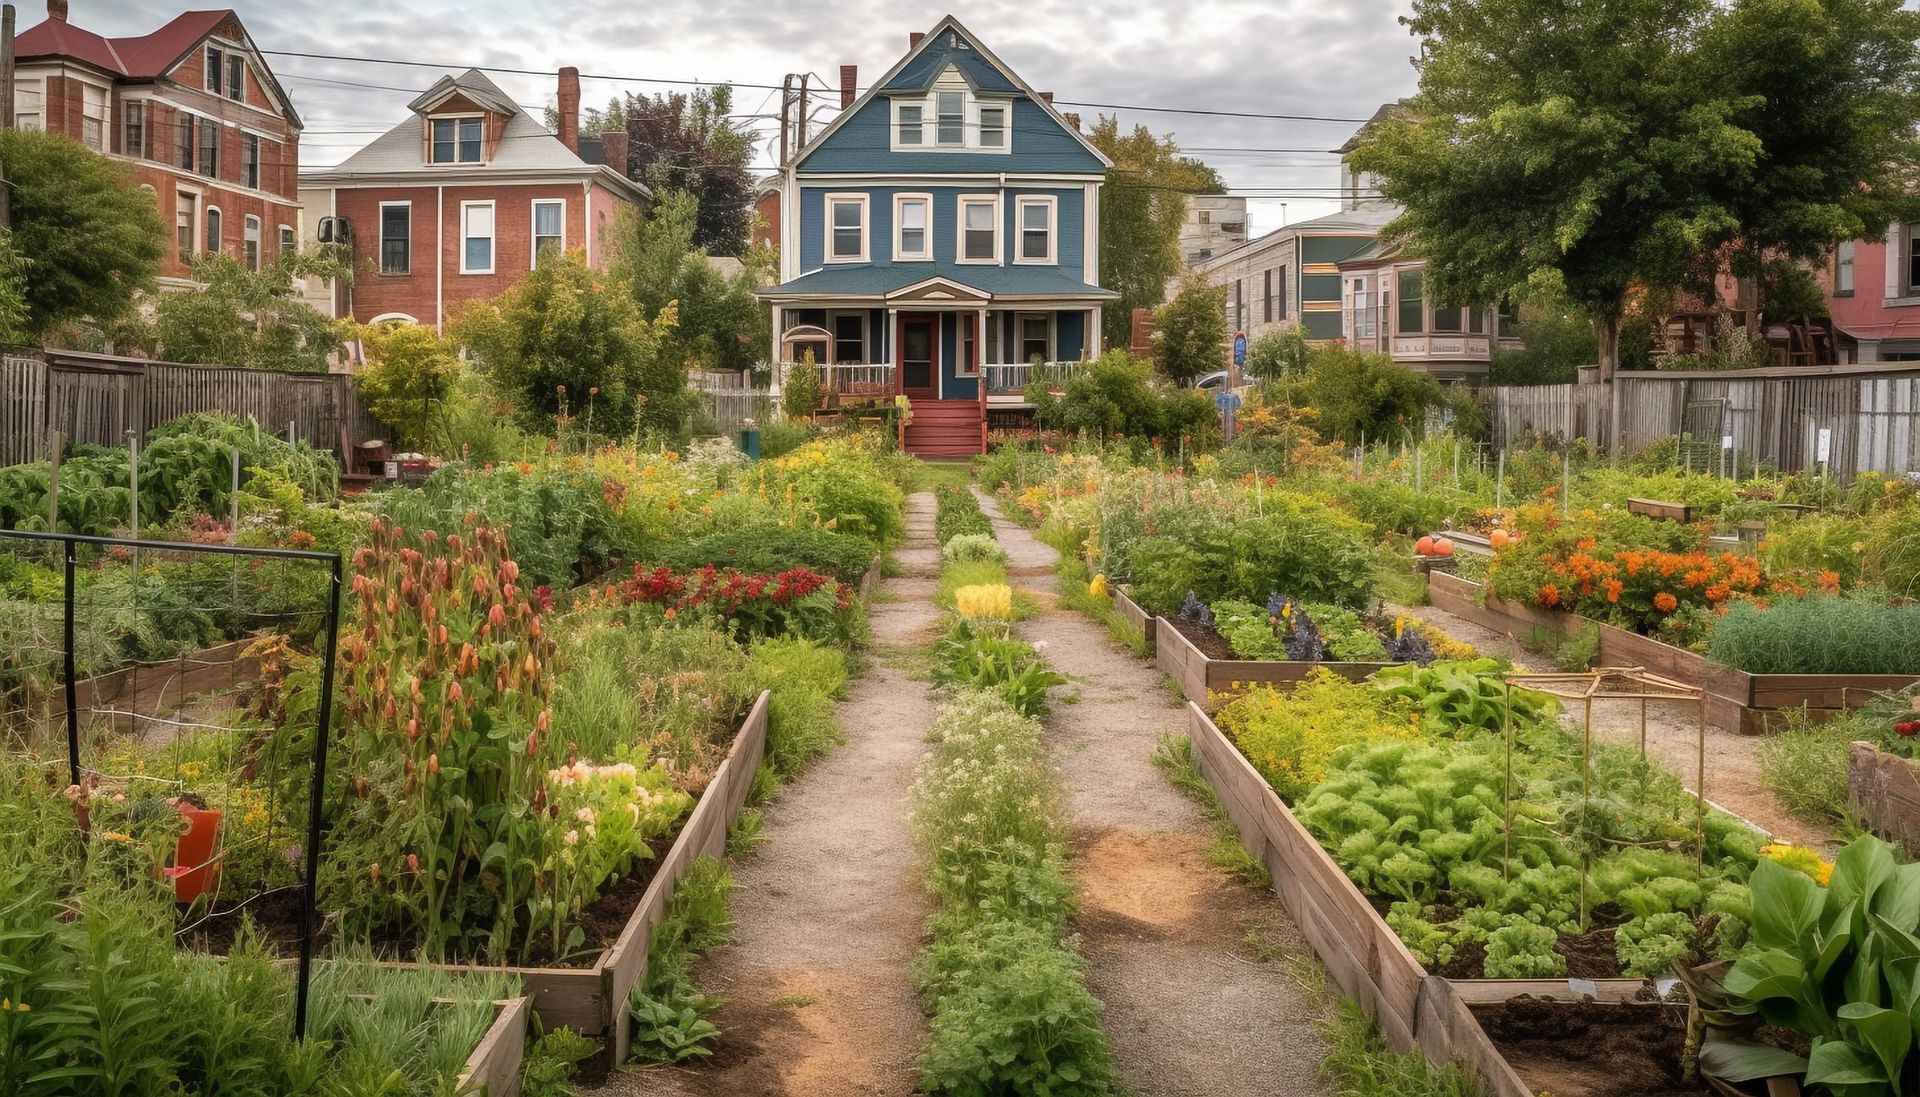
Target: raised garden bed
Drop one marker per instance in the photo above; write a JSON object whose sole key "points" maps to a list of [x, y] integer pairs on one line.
{"points": [[1202, 676], [1735, 700], [1130, 612], [1883, 793], [493, 1070], [1660, 508], [592, 999], [1364, 957]]}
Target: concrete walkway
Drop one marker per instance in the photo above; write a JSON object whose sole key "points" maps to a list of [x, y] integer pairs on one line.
{"points": [[829, 910], [1190, 1013]]}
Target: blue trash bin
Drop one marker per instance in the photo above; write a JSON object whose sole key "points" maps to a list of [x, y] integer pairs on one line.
{"points": [[750, 443]]}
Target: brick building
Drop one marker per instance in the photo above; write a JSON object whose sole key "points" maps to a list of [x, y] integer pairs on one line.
{"points": [[195, 111], [455, 203]]}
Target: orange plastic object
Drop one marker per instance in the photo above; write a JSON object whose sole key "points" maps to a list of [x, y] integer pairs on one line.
{"points": [[196, 859]]}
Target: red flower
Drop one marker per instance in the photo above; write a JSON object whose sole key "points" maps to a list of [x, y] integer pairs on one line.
{"points": [[1908, 727]]}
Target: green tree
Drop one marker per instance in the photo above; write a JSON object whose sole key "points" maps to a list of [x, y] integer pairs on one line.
{"points": [[1359, 394], [594, 119], [690, 143], [1190, 332], [94, 238], [254, 319], [721, 326], [1280, 353], [1116, 394], [569, 340], [14, 316], [409, 371], [1556, 339], [1142, 206]]}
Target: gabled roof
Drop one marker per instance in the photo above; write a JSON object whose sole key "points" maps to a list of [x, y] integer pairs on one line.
{"points": [[1365, 219], [525, 148], [1396, 109], [139, 57], [944, 43]]}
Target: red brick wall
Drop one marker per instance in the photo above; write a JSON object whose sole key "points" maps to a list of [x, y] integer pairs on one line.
{"points": [[436, 236], [767, 206]]}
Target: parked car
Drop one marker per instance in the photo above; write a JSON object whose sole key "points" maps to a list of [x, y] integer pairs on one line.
{"points": [[1212, 382]]}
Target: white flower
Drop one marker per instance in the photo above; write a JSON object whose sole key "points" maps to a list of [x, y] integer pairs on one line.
{"points": [[573, 837], [584, 815]]}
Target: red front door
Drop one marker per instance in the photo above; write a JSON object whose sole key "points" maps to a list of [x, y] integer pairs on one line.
{"points": [[919, 360]]}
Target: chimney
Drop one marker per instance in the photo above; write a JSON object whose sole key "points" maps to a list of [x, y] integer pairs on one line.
{"points": [[1073, 119], [849, 76], [613, 147], [57, 9], [913, 39], [570, 108]]}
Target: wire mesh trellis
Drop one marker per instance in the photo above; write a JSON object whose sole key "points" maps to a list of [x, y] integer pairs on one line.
{"points": [[159, 679]]}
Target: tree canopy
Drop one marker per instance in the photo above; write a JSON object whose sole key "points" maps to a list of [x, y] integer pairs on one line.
{"points": [[254, 319], [681, 142], [1604, 144], [409, 372], [92, 240], [1190, 331], [1142, 207], [721, 325]]}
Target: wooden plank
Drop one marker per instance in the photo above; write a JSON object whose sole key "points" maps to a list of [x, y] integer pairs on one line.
{"points": [[1229, 676], [1447, 1031], [1824, 691], [1884, 792], [1147, 623], [132, 693], [1175, 655], [625, 964], [1660, 508], [1492, 991], [871, 577], [493, 1070]]}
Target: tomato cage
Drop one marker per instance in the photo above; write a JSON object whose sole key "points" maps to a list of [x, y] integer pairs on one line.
{"points": [[176, 696], [1632, 685]]}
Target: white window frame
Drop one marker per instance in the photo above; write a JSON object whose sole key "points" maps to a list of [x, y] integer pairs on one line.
{"points": [[38, 90], [900, 253], [251, 231], [960, 229], [380, 240], [977, 127], [493, 238], [101, 139], [1020, 204], [966, 116], [456, 119], [191, 196], [1053, 334], [866, 333], [1845, 260], [209, 214], [533, 226], [898, 126], [287, 240], [828, 202]]}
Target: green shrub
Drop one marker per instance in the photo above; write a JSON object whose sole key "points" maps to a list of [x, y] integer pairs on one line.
{"points": [[958, 513], [669, 1013], [1819, 634], [1116, 395], [1805, 762], [768, 547], [986, 657], [973, 547]]}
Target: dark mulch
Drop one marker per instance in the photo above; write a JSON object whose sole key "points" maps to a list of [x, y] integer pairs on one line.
{"points": [[1590, 1049], [1205, 637]]}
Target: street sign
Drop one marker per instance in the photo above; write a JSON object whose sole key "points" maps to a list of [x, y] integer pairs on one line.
{"points": [[1239, 348], [1228, 402]]}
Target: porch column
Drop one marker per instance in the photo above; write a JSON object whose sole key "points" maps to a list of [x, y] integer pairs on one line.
{"points": [[980, 351], [775, 373], [893, 348], [1090, 346]]}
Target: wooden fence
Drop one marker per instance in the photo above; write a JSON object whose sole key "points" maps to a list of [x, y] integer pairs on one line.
{"points": [[1868, 416], [97, 399]]}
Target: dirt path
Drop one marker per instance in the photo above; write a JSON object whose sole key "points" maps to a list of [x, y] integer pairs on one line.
{"points": [[1733, 767], [829, 909], [1190, 1010]]}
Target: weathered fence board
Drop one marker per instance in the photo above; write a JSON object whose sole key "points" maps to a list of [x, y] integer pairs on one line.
{"points": [[98, 399]]}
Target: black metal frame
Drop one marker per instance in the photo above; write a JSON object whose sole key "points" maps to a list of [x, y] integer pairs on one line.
{"points": [[309, 893]]}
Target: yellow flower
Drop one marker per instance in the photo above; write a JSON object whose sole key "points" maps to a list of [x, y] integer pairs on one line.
{"points": [[1800, 860], [1098, 588], [116, 836], [984, 601]]}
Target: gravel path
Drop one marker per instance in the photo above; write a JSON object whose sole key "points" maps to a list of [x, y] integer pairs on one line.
{"points": [[1164, 931], [1733, 768], [829, 909]]}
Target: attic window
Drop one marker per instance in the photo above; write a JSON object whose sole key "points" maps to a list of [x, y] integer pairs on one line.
{"points": [[953, 117], [226, 73], [456, 141]]}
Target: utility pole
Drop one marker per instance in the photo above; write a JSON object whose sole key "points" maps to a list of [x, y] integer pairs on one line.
{"points": [[786, 105], [806, 85]]}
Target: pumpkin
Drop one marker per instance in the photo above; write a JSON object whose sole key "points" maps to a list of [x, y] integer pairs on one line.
{"points": [[1499, 539], [1443, 547], [1424, 546]]}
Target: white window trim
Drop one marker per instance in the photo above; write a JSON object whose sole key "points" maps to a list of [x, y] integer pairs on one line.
{"points": [[894, 124], [533, 226], [208, 212], [900, 254], [493, 238], [195, 207], [1020, 204], [960, 229], [1053, 334], [866, 222], [456, 119], [38, 86], [929, 105], [975, 127], [251, 223], [380, 241], [866, 333], [105, 118], [283, 233]]}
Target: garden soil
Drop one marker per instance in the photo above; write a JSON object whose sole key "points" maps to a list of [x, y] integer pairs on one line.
{"points": [[1733, 767], [1190, 1011], [1592, 1049], [829, 910]]}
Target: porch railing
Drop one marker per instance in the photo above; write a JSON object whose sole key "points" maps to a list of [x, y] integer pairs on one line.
{"points": [[856, 379], [1012, 378]]}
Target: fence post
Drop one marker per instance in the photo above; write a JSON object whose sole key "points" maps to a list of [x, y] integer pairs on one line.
{"points": [[133, 482], [57, 444], [1500, 480], [73, 687]]}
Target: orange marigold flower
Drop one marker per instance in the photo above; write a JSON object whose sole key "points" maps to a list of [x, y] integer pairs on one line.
{"points": [[1549, 595], [1665, 603], [1718, 592], [1830, 581], [1614, 587]]}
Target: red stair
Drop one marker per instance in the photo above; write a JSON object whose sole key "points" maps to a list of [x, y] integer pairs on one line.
{"points": [[947, 428]]}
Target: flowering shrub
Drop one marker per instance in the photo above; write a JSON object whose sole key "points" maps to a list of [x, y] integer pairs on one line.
{"points": [[792, 602], [1291, 738], [609, 813]]}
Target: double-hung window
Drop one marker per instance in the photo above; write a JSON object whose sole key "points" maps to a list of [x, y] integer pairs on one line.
{"points": [[250, 160], [183, 203], [186, 142], [456, 141], [396, 237], [93, 117], [288, 244], [236, 76], [476, 238], [1036, 337], [913, 227], [134, 141], [549, 227], [216, 69], [250, 242], [209, 148], [1412, 316], [213, 230], [979, 229], [952, 117], [846, 228], [1036, 221], [910, 123], [993, 127], [849, 337], [29, 107], [1843, 255]]}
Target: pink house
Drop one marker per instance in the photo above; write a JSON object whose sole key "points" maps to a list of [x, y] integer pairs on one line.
{"points": [[1874, 296]]}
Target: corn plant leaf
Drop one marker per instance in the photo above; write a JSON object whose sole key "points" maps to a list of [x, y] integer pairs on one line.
{"points": [[1740, 1061]]}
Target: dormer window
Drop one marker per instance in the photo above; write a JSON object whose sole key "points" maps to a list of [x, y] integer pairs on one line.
{"points": [[953, 118], [226, 73], [456, 141], [911, 123], [993, 127]]}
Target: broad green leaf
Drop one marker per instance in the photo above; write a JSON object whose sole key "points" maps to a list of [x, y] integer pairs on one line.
{"points": [[1898, 900], [1887, 1033], [1739, 1061], [1858, 872], [1786, 906], [1833, 946], [1839, 1063]]}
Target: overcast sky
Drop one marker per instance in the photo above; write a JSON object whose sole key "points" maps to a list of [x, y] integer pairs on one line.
{"points": [[1335, 58]]}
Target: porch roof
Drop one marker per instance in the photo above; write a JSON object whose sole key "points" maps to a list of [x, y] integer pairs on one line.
{"points": [[976, 282]]}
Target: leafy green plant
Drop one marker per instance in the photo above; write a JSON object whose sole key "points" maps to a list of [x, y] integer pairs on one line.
{"points": [[552, 1061], [984, 655], [1453, 696], [669, 1012], [1648, 946], [1523, 950], [1819, 634], [968, 547]]}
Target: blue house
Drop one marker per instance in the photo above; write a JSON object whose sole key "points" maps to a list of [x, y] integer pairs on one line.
{"points": [[938, 238]]}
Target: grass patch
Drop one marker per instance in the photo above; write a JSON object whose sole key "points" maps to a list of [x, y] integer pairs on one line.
{"points": [[1395, 581], [1360, 1064], [1075, 592], [1804, 763], [1174, 755], [749, 831], [958, 512], [793, 1001], [934, 475]]}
